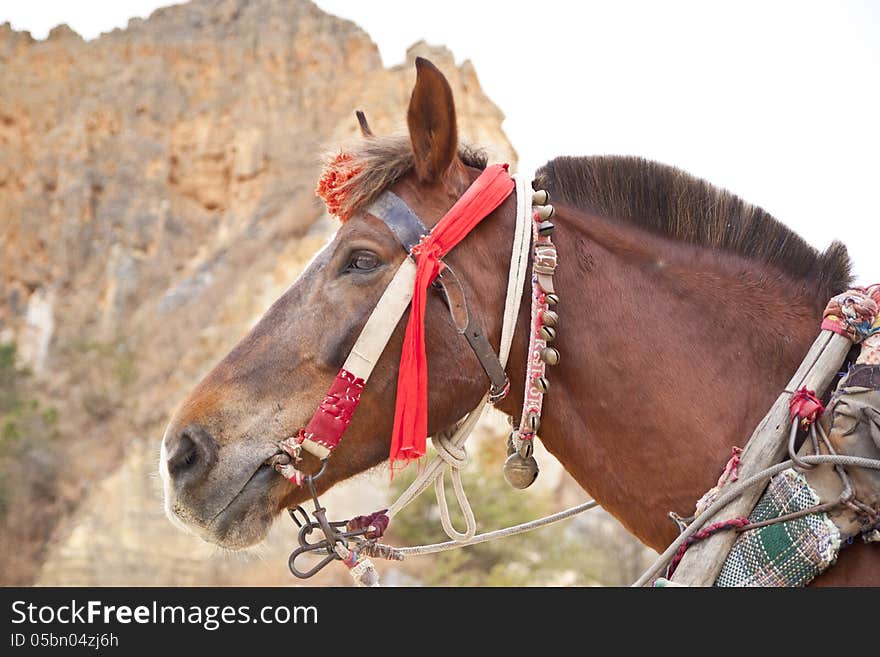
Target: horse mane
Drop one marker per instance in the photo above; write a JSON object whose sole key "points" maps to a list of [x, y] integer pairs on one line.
{"points": [[378, 163], [682, 207]]}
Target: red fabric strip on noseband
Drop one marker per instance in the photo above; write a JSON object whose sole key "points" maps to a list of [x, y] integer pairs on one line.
{"points": [[411, 412], [334, 413]]}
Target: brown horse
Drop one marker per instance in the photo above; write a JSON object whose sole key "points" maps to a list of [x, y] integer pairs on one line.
{"points": [[684, 311]]}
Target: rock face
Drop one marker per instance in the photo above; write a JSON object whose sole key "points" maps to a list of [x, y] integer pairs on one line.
{"points": [[155, 198]]}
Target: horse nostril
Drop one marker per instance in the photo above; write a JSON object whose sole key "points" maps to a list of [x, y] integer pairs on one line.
{"points": [[191, 452], [183, 457]]}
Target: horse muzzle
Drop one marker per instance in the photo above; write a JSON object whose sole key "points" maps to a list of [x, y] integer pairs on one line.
{"points": [[223, 495]]}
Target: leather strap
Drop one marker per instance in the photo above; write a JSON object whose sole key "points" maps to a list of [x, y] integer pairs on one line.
{"points": [[409, 230], [489, 360], [397, 215], [453, 294], [468, 327]]}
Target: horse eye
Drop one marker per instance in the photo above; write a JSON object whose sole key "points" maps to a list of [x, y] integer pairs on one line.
{"points": [[363, 261]]}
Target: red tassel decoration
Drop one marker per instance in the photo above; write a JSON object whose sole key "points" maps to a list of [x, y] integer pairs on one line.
{"points": [[488, 191]]}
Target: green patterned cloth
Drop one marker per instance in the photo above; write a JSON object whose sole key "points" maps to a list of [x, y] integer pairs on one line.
{"points": [[787, 553]]}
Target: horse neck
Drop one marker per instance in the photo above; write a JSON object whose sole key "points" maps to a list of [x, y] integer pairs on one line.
{"points": [[670, 355]]}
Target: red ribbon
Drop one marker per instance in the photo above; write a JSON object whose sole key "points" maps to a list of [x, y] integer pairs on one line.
{"points": [[487, 192]]}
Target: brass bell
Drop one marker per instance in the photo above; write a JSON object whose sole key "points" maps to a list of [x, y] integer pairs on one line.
{"points": [[519, 472], [534, 422], [552, 299], [550, 355], [540, 197], [541, 384], [548, 333], [545, 228], [545, 212], [549, 318]]}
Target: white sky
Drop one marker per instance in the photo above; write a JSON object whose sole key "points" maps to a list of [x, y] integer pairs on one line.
{"points": [[778, 101]]}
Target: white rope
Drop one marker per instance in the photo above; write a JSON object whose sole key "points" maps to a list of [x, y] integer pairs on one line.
{"points": [[436, 466], [455, 457], [451, 454], [498, 533]]}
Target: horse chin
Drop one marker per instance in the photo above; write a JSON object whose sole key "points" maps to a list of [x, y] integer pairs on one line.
{"points": [[242, 532], [246, 520]]}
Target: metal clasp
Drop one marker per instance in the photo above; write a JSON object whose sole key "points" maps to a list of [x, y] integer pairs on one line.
{"points": [[334, 532]]}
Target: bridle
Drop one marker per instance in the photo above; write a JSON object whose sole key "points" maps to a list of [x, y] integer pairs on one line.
{"points": [[334, 414]]}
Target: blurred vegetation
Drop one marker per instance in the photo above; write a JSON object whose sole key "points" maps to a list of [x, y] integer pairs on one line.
{"points": [[28, 438], [45, 463], [549, 556], [110, 368]]}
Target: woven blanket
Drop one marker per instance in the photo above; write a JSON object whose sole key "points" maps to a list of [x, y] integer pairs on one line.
{"points": [[787, 553]]}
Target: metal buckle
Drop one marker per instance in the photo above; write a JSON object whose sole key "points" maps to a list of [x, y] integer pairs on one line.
{"points": [[497, 394], [330, 530]]}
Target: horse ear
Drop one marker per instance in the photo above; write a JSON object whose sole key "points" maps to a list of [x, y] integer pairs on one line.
{"points": [[431, 121], [365, 127]]}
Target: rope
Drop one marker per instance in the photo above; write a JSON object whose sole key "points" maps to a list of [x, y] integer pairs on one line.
{"points": [[737, 489], [397, 554], [437, 466], [714, 528], [361, 569], [455, 457]]}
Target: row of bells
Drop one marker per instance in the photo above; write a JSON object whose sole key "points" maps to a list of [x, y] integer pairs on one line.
{"points": [[521, 467]]}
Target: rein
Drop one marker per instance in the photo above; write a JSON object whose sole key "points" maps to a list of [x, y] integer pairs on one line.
{"points": [[353, 540]]}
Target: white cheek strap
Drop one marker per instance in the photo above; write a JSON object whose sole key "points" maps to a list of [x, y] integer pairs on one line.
{"points": [[382, 321], [374, 337]]}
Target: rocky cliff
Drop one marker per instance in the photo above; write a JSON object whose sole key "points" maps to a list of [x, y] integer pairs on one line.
{"points": [[155, 197]]}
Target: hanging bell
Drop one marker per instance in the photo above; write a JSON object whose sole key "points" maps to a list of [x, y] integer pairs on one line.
{"points": [[520, 472], [550, 355], [546, 228], [549, 318], [541, 384], [533, 421], [552, 299], [541, 197], [548, 333]]}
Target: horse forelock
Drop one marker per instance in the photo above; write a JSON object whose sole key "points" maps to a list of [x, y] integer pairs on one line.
{"points": [[355, 175]]}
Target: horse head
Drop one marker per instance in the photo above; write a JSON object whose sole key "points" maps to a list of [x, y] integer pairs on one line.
{"points": [[216, 481]]}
